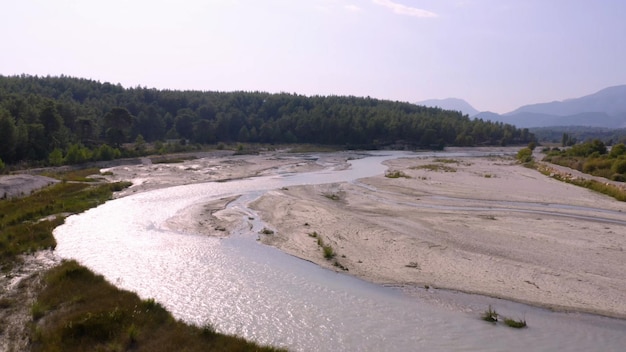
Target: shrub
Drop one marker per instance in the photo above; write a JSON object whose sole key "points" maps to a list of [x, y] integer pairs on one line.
{"points": [[329, 252], [396, 174], [619, 167], [617, 150], [55, 158], [518, 324], [525, 155], [490, 315]]}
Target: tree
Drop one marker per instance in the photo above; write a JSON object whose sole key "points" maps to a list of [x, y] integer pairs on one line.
{"points": [[617, 150], [184, 125], [56, 157], [117, 123], [8, 136], [50, 118], [77, 154]]}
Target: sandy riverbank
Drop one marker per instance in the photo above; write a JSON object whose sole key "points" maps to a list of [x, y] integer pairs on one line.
{"points": [[479, 225], [473, 224]]}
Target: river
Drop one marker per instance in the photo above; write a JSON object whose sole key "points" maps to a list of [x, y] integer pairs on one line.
{"points": [[243, 287]]}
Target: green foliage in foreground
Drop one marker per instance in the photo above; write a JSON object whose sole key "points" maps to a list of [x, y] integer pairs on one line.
{"points": [[26, 224], [80, 311]]}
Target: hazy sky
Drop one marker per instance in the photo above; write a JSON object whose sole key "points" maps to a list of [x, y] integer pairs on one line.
{"points": [[496, 54]]}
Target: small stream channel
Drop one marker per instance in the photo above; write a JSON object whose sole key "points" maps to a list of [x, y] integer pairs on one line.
{"points": [[243, 287]]}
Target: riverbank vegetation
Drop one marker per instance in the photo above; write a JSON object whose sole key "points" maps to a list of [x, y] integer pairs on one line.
{"points": [[64, 120], [79, 311], [76, 310], [26, 223], [491, 316], [592, 158]]}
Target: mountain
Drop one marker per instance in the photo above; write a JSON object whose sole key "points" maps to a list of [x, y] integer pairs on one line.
{"points": [[611, 101], [606, 108], [450, 104]]}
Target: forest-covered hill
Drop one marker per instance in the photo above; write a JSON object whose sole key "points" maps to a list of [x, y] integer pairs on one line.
{"points": [[44, 118]]}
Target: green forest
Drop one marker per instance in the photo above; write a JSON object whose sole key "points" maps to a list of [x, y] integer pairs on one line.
{"points": [[64, 120]]}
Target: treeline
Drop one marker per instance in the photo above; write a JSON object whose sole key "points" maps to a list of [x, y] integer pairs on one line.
{"points": [[65, 119]]}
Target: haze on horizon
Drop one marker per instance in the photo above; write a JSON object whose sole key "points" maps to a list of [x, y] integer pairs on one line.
{"points": [[497, 55]]}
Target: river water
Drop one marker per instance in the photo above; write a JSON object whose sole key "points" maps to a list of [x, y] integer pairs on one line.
{"points": [[243, 287]]}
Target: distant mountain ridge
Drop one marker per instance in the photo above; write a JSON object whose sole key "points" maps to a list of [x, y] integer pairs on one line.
{"points": [[605, 108], [454, 104], [611, 101]]}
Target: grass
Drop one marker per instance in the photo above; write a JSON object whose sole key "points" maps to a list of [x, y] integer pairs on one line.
{"points": [[267, 231], [80, 175], [435, 167], [26, 223], [396, 174], [490, 315], [110, 319], [332, 196], [328, 250], [446, 161], [518, 324], [172, 160], [604, 188]]}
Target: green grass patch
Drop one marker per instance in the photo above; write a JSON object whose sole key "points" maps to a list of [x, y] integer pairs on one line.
{"points": [[172, 160], [328, 250], [608, 189], [513, 323], [435, 167], [490, 315], [267, 231], [26, 223], [79, 175], [332, 196], [110, 319], [396, 174], [446, 161]]}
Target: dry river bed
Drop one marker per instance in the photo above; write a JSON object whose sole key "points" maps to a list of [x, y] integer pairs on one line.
{"points": [[484, 225]]}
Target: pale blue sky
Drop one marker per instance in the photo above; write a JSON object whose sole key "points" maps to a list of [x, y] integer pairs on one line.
{"points": [[496, 54]]}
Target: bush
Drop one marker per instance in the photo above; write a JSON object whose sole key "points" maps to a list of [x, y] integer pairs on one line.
{"points": [[592, 165], [55, 158], [329, 252], [518, 324], [619, 167], [617, 150], [525, 155], [490, 315]]}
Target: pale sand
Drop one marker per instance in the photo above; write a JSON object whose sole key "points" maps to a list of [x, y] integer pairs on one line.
{"points": [[398, 232], [404, 231]]}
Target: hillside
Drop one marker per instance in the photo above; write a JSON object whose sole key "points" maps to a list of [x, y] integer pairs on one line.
{"points": [[453, 104], [70, 120]]}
